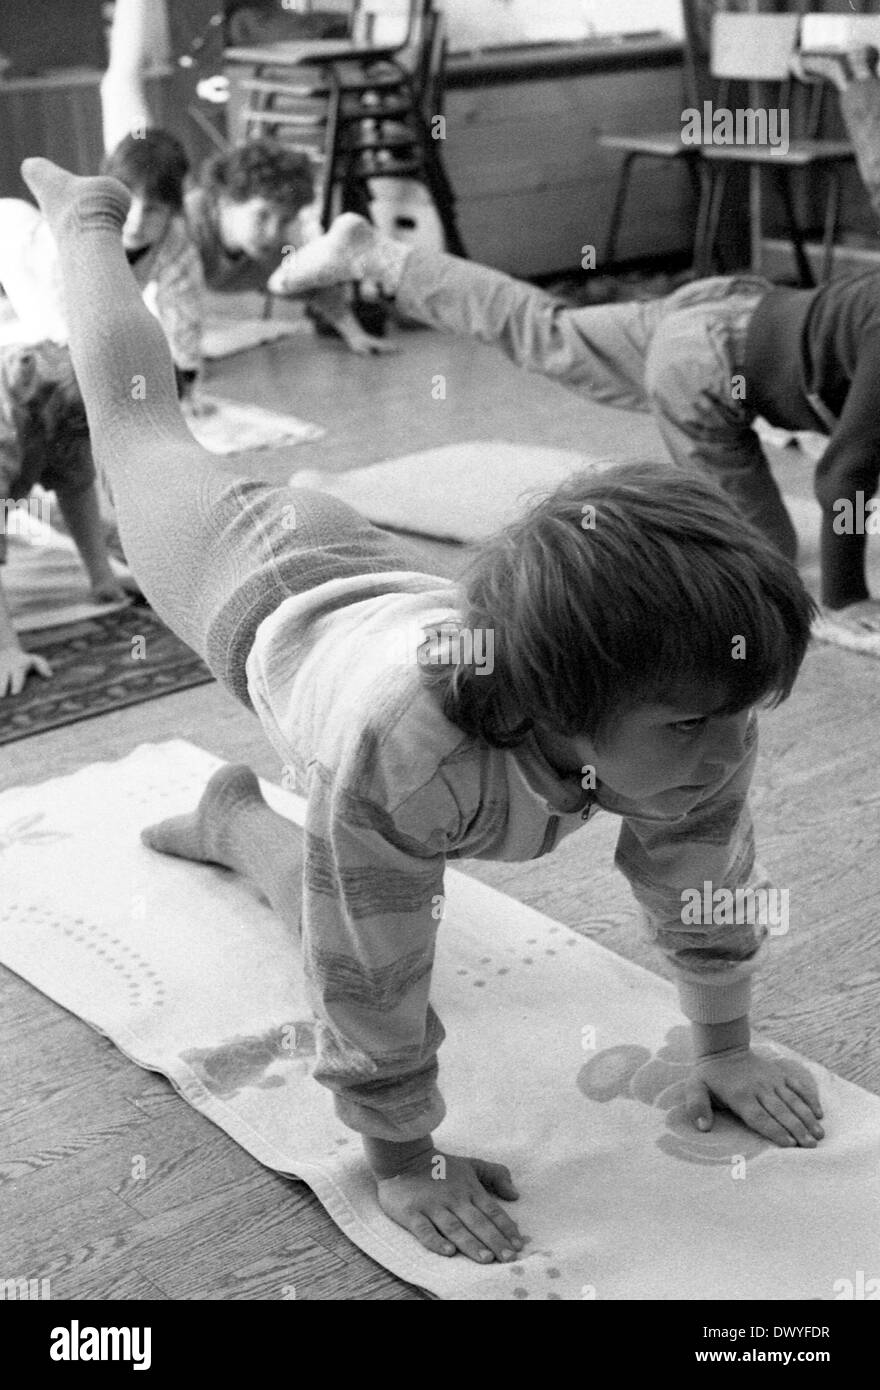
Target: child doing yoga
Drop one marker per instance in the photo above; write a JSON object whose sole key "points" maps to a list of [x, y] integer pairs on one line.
{"points": [[629, 657]]}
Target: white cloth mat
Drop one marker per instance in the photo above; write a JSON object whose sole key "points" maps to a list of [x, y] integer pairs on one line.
{"points": [[229, 427], [225, 337], [459, 492], [192, 976]]}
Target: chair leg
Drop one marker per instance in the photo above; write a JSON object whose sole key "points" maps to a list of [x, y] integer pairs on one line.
{"points": [[805, 273], [331, 158], [617, 210], [436, 179], [718, 183], [702, 249], [832, 211]]}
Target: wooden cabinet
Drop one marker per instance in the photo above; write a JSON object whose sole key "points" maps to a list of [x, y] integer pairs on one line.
{"points": [[532, 184]]}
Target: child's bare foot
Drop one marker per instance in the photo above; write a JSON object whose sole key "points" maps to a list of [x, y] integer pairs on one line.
{"points": [[353, 249], [204, 834], [62, 195]]}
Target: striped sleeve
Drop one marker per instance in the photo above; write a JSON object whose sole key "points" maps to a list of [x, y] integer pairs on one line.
{"points": [[369, 923], [677, 870]]}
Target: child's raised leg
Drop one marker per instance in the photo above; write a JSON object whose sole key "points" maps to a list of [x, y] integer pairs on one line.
{"points": [[599, 351]]}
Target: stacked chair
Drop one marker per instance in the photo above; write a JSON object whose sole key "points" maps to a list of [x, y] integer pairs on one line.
{"points": [[363, 111]]}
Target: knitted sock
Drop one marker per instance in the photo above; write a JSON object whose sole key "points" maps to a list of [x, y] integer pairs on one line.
{"points": [[353, 249], [233, 826]]}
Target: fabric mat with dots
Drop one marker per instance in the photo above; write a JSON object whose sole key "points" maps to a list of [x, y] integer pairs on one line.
{"points": [[562, 1060]]}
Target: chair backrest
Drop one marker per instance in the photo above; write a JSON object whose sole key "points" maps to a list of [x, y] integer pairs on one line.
{"points": [[826, 33], [387, 23], [753, 47]]}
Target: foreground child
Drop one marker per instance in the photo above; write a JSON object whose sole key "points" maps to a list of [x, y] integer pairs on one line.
{"points": [[629, 654], [706, 360]]}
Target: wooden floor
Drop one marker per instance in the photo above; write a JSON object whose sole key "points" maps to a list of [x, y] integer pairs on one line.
{"points": [[209, 1222]]}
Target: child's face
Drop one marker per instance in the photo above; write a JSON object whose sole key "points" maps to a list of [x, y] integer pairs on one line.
{"points": [[146, 223], [255, 227], [662, 756]]}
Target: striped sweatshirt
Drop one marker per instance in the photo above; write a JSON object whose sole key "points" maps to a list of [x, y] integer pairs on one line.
{"points": [[393, 789]]}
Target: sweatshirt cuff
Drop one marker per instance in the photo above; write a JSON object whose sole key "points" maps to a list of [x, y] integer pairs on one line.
{"points": [[400, 1126], [704, 1003]]}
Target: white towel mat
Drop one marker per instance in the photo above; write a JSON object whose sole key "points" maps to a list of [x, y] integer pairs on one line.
{"points": [[562, 1060], [465, 492], [228, 427]]}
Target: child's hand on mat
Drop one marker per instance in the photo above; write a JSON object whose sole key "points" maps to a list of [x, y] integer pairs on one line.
{"points": [[115, 590], [767, 1093], [15, 665], [448, 1204], [363, 343], [861, 617]]}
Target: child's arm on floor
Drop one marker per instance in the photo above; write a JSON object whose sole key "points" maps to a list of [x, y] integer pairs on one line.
{"points": [[674, 870], [83, 516], [846, 481], [15, 662], [369, 922]]}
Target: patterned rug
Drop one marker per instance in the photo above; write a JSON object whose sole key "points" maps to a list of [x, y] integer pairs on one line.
{"points": [[102, 664]]}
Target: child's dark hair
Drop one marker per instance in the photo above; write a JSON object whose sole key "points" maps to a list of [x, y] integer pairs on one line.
{"points": [[261, 169], [625, 586], [153, 164]]}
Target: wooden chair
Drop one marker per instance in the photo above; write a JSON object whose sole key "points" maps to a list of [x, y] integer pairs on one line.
{"points": [[758, 49], [666, 145], [835, 33]]}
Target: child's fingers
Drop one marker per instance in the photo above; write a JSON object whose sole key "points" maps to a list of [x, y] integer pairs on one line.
{"points": [[698, 1103], [498, 1216], [461, 1236], [430, 1237], [785, 1116], [801, 1109], [487, 1231], [806, 1088]]}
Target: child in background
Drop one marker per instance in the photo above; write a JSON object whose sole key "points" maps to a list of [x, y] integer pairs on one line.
{"points": [[43, 431], [44, 439], [633, 649], [252, 205], [158, 247], [706, 361], [163, 259]]}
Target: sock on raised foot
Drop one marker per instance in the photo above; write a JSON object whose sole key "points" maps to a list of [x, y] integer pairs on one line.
{"points": [[68, 200], [352, 249], [204, 835]]}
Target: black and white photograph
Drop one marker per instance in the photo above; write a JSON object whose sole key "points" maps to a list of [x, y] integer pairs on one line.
{"points": [[440, 667]]}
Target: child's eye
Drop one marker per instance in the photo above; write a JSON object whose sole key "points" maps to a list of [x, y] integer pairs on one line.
{"points": [[689, 726]]}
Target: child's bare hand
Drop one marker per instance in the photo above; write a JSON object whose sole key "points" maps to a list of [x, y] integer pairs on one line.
{"points": [[116, 590], [770, 1095], [366, 343], [448, 1204], [15, 666]]}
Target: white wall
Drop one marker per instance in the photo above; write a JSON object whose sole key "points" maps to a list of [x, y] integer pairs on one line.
{"points": [[490, 23]]}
